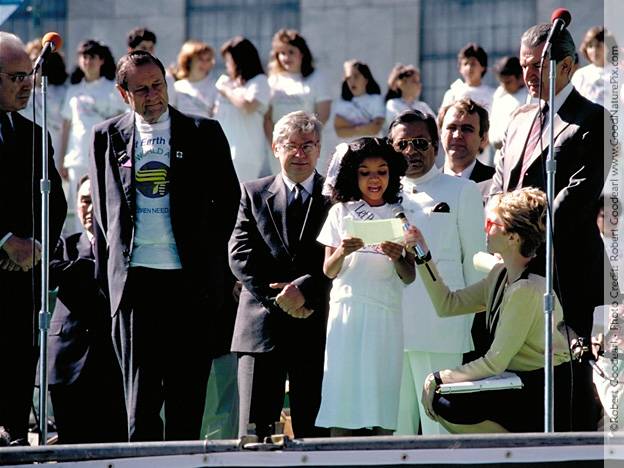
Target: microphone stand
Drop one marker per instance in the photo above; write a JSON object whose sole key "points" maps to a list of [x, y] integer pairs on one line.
{"points": [[549, 296], [44, 313]]}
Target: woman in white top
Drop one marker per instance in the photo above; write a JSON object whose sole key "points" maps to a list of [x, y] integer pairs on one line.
{"points": [[360, 111], [91, 99], [243, 100], [404, 88], [195, 89], [294, 83], [589, 80]]}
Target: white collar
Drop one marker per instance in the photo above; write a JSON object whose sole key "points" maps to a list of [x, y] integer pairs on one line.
{"points": [[163, 120], [465, 174], [562, 96], [414, 181]]}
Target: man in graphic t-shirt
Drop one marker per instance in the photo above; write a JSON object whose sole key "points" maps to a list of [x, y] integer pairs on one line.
{"points": [[165, 198]]}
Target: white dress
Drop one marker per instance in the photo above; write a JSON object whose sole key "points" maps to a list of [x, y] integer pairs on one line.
{"points": [[360, 110], [244, 130], [589, 81], [397, 105], [482, 94], [292, 92], [363, 354], [196, 97]]}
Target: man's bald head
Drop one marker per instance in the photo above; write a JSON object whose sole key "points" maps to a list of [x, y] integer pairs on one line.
{"points": [[15, 78]]}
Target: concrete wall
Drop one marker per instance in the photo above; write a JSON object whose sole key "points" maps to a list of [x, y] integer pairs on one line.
{"points": [[110, 20]]}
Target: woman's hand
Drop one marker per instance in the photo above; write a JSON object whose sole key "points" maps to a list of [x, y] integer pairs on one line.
{"points": [[413, 236], [392, 250], [429, 389]]}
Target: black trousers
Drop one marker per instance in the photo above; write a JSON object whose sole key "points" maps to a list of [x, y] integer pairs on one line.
{"points": [[160, 337], [261, 388], [91, 409], [17, 350]]}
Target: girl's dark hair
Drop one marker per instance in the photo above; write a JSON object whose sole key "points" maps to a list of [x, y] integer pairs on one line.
{"points": [[95, 48], [371, 86], [293, 38], [346, 186], [245, 56]]}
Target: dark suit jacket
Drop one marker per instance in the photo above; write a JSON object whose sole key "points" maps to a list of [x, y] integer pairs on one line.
{"points": [[16, 211], [204, 196], [80, 325], [482, 174], [580, 176], [260, 255]]}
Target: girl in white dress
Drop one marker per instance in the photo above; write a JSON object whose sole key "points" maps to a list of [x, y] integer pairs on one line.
{"points": [[195, 88], [589, 80], [404, 88], [295, 84], [360, 111], [243, 100], [363, 354]]}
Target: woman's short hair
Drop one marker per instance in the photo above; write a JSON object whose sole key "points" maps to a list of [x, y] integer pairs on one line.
{"points": [[95, 48], [290, 37], [346, 187], [523, 212], [296, 122], [245, 57], [399, 72], [372, 87], [472, 49], [190, 50], [595, 34]]}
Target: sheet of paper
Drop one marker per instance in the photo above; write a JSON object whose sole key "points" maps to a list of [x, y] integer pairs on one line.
{"points": [[375, 231]]}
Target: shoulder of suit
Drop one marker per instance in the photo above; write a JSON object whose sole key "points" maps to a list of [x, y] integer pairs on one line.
{"points": [[524, 109], [107, 124], [259, 185], [193, 119]]}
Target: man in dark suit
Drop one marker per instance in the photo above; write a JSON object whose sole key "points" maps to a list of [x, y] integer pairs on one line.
{"points": [[464, 127], [18, 186], [85, 379], [165, 196], [280, 326], [580, 176]]}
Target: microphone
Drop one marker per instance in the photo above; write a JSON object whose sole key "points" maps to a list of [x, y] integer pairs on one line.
{"points": [[417, 249], [561, 19], [51, 42]]}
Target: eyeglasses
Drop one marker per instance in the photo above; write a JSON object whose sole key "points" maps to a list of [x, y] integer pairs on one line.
{"points": [[19, 76], [419, 144], [405, 74], [307, 148], [489, 223]]}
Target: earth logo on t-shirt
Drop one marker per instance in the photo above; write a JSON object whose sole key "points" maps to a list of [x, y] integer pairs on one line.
{"points": [[152, 179]]}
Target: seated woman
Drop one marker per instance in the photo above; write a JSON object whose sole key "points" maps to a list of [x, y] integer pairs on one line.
{"points": [[513, 301]]}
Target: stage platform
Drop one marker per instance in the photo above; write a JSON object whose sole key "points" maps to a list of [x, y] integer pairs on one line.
{"points": [[586, 450]]}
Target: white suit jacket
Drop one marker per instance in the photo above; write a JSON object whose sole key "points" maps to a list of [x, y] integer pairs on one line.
{"points": [[453, 238]]}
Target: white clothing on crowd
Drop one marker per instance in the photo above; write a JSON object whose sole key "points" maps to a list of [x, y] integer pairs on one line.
{"points": [[54, 103], [293, 92], [363, 353], [482, 94], [453, 236], [360, 110], [196, 97], [244, 130], [589, 81], [503, 106]]}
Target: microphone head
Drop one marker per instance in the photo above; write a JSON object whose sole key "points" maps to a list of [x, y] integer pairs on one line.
{"points": [[54, 38], [563, 15]]}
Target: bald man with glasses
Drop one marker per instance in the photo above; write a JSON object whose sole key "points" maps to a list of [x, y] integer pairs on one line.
{"points": [[20, 249]]}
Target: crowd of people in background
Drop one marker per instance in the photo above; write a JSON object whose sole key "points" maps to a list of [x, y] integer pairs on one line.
{"points": [[179, 288]]}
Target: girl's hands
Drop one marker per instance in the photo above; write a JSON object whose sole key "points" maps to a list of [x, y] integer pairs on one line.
{"points": [[428, 393], [349, 245], [392, 250]]}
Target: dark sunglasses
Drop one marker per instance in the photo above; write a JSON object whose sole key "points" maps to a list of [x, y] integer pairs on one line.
{"points": [[19, 76], [406, 74], [419, 144]]}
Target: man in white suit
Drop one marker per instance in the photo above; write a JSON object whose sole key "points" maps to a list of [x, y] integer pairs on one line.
{"points": [[449, 211]]}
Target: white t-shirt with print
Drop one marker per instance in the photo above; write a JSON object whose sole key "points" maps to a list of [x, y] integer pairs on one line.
{"points": [[154, 244]]}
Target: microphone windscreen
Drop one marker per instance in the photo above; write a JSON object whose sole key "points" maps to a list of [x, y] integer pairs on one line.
{"points": [[562, 14], [54, 38]]}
